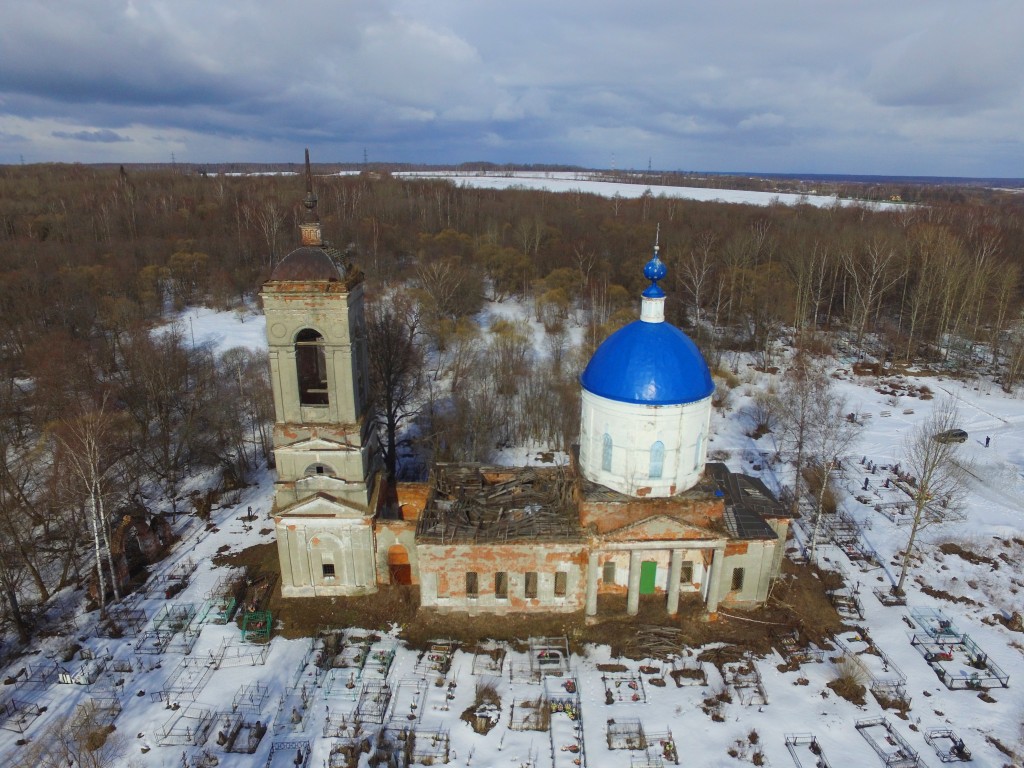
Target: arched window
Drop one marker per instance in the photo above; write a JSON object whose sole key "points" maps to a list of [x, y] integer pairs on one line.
{"points": [[699, 452], [311, 365], [657, 459], [606, 453], [319, 470]]}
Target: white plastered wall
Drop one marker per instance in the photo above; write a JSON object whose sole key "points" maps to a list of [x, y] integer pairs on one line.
{"points": [[634, 429]]}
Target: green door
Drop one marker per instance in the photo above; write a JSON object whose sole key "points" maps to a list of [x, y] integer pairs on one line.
{"points": [[648, 574]]}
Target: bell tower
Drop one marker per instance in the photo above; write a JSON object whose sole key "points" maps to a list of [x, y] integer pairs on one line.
{"points": [[324, 443]]}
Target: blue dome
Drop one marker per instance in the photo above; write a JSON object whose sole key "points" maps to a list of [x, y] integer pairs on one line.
{"points": [[648, 364]]}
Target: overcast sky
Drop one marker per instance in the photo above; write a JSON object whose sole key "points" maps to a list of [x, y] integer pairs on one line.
{"points": [[914, 87]]}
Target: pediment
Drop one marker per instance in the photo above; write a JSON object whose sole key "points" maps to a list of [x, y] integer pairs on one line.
{"points": [[318, 444], [658, 528], [323, 505]]}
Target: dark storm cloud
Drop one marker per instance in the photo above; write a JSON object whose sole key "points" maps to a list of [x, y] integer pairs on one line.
{"points": [[104, 136], [913, 87]]}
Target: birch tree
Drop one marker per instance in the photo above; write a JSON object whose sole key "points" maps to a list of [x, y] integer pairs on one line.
{"points": [[92, 458], [938, 477]]}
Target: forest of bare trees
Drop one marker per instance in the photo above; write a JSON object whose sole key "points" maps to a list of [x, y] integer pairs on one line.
{"points": [[92, 258]]}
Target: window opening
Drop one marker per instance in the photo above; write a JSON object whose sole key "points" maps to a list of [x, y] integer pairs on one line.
{"points": [[737, 579], [472, 585], [657, 459], [609, 572], [328, 570], [531, 584], [699, 452], [686, 572], [561, 583], [606, 453], [311, 366], [501, 585]]}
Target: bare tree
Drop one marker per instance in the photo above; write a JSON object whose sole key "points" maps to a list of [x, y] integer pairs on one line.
{"points": [[396, 363], [828, 441], [937, 476], [92, 457], [802, 387]]}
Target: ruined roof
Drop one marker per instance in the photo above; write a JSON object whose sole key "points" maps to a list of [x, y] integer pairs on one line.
{"points": [[308, 264], [473, 503], [747, 503]]}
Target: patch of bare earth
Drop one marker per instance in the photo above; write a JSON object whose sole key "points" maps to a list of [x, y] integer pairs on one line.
{"points": [[798, 602]]}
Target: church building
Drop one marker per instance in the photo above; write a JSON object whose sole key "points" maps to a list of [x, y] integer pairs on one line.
{"points": [[637, 511]]}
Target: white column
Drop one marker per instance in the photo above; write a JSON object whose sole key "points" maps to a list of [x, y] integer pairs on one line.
{"points": [[633, 590], [592, 584], [675, 567], [717, 560]]}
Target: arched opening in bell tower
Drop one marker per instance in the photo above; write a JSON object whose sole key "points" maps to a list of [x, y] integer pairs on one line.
{"points": [[311, 365]]}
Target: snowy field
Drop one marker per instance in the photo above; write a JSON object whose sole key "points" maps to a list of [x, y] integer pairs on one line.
{"points": [[590, 183], [179, 685]]}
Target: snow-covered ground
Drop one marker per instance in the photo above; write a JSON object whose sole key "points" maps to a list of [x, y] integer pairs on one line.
{"points": [[222, 679], [591, 183]]}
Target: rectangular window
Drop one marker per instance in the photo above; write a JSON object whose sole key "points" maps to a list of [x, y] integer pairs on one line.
{"points": [[501, 585], [561, 583], [328, 569], [686, 573], [531, 584], [472, 585], [737, 579], [609, 572]]}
